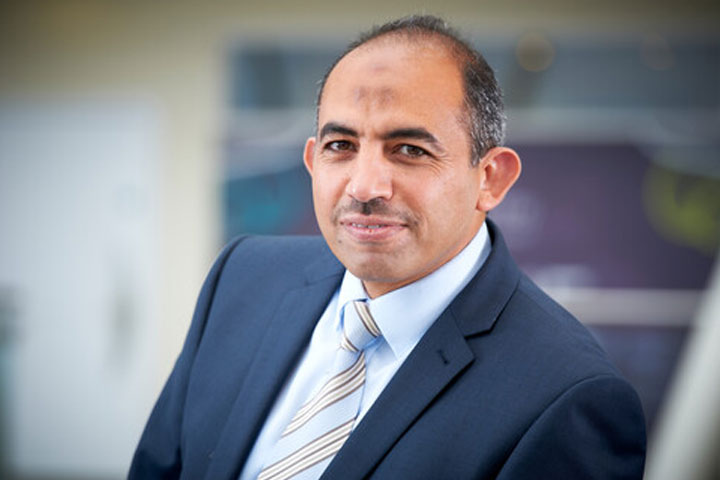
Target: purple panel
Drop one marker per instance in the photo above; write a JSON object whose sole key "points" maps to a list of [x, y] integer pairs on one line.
{"points": [[578, 217]]}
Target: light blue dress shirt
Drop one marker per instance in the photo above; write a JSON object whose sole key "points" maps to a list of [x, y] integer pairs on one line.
{"points": [[403, 315]]}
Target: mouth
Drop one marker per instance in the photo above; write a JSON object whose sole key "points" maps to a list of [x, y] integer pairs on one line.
{"points": [[371, 229]]}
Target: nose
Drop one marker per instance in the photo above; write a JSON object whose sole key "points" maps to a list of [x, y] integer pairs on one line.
{"points": [[370, 177]]}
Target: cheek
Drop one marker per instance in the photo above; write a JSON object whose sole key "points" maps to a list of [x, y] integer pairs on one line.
{"points": [[326, 189], [447, 205]]}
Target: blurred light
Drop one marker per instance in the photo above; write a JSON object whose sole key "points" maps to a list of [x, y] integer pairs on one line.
{"points": [[534, 52], [684, 208], [656, 52]]}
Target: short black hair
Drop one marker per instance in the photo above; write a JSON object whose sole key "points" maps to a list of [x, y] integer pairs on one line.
{"points": [[483, 98]]}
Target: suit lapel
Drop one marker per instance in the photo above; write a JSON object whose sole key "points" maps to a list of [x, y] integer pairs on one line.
{"points": [[287, 334], [438, 358]]}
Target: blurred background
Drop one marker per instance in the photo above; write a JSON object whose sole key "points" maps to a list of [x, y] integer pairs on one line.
{"points": [[137, 137]]}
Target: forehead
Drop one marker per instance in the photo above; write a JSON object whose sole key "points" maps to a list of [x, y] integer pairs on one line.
{"points": [[395, 76]]}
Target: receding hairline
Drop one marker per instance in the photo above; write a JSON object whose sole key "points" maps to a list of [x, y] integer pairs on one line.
{"points": [[430, 39]]}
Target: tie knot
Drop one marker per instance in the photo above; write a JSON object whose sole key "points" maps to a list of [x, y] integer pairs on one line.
{"points": [[359, 327]]}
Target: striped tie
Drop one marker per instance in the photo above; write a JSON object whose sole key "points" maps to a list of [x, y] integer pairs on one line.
{"points": [[321, 426]]}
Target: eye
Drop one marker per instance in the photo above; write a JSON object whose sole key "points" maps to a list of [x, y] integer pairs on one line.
{"points": [[411, 150], [338, 146]]}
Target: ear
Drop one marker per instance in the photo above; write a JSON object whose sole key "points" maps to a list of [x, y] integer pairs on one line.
{"points": [[309, 154], [499, 169]]}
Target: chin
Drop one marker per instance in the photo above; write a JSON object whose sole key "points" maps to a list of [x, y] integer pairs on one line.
{"points": [[374, 263], [374, 271]]}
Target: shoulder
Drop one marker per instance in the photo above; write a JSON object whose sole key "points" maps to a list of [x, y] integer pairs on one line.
{"points": [[522, 327], [515, 328], [541, 329], [579, 398], [253, 262], [276, 251]]}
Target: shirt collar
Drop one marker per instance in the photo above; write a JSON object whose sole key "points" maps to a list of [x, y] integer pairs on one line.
{"points": [[405, 314]]}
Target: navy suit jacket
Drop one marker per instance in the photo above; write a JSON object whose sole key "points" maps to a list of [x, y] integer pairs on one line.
{"points": [[505, 384]]}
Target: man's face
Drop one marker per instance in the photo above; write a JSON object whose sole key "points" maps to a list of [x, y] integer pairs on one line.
{"points": [[394, 191]]}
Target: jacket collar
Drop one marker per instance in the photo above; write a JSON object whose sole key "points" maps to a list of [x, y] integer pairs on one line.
{"points": [[477, 306], [324, 266]]}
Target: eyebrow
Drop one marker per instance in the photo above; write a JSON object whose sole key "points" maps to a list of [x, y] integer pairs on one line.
{"points": [[333, 127], [414, 133], [418, 133]]}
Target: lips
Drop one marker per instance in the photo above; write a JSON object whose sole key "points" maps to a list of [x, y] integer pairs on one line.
{"points": [[371, 228]]}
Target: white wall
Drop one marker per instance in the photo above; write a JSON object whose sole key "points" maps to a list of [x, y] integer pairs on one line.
{"points": [[79, 247]]}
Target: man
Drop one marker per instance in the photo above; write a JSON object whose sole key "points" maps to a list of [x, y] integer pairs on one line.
{"points": [[456, 365]]}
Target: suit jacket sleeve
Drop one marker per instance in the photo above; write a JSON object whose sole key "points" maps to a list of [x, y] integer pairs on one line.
{"points": [[594, 430], [158, 455]]}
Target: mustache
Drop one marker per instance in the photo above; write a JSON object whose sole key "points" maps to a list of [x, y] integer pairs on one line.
{"points": [[374, 206]]}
